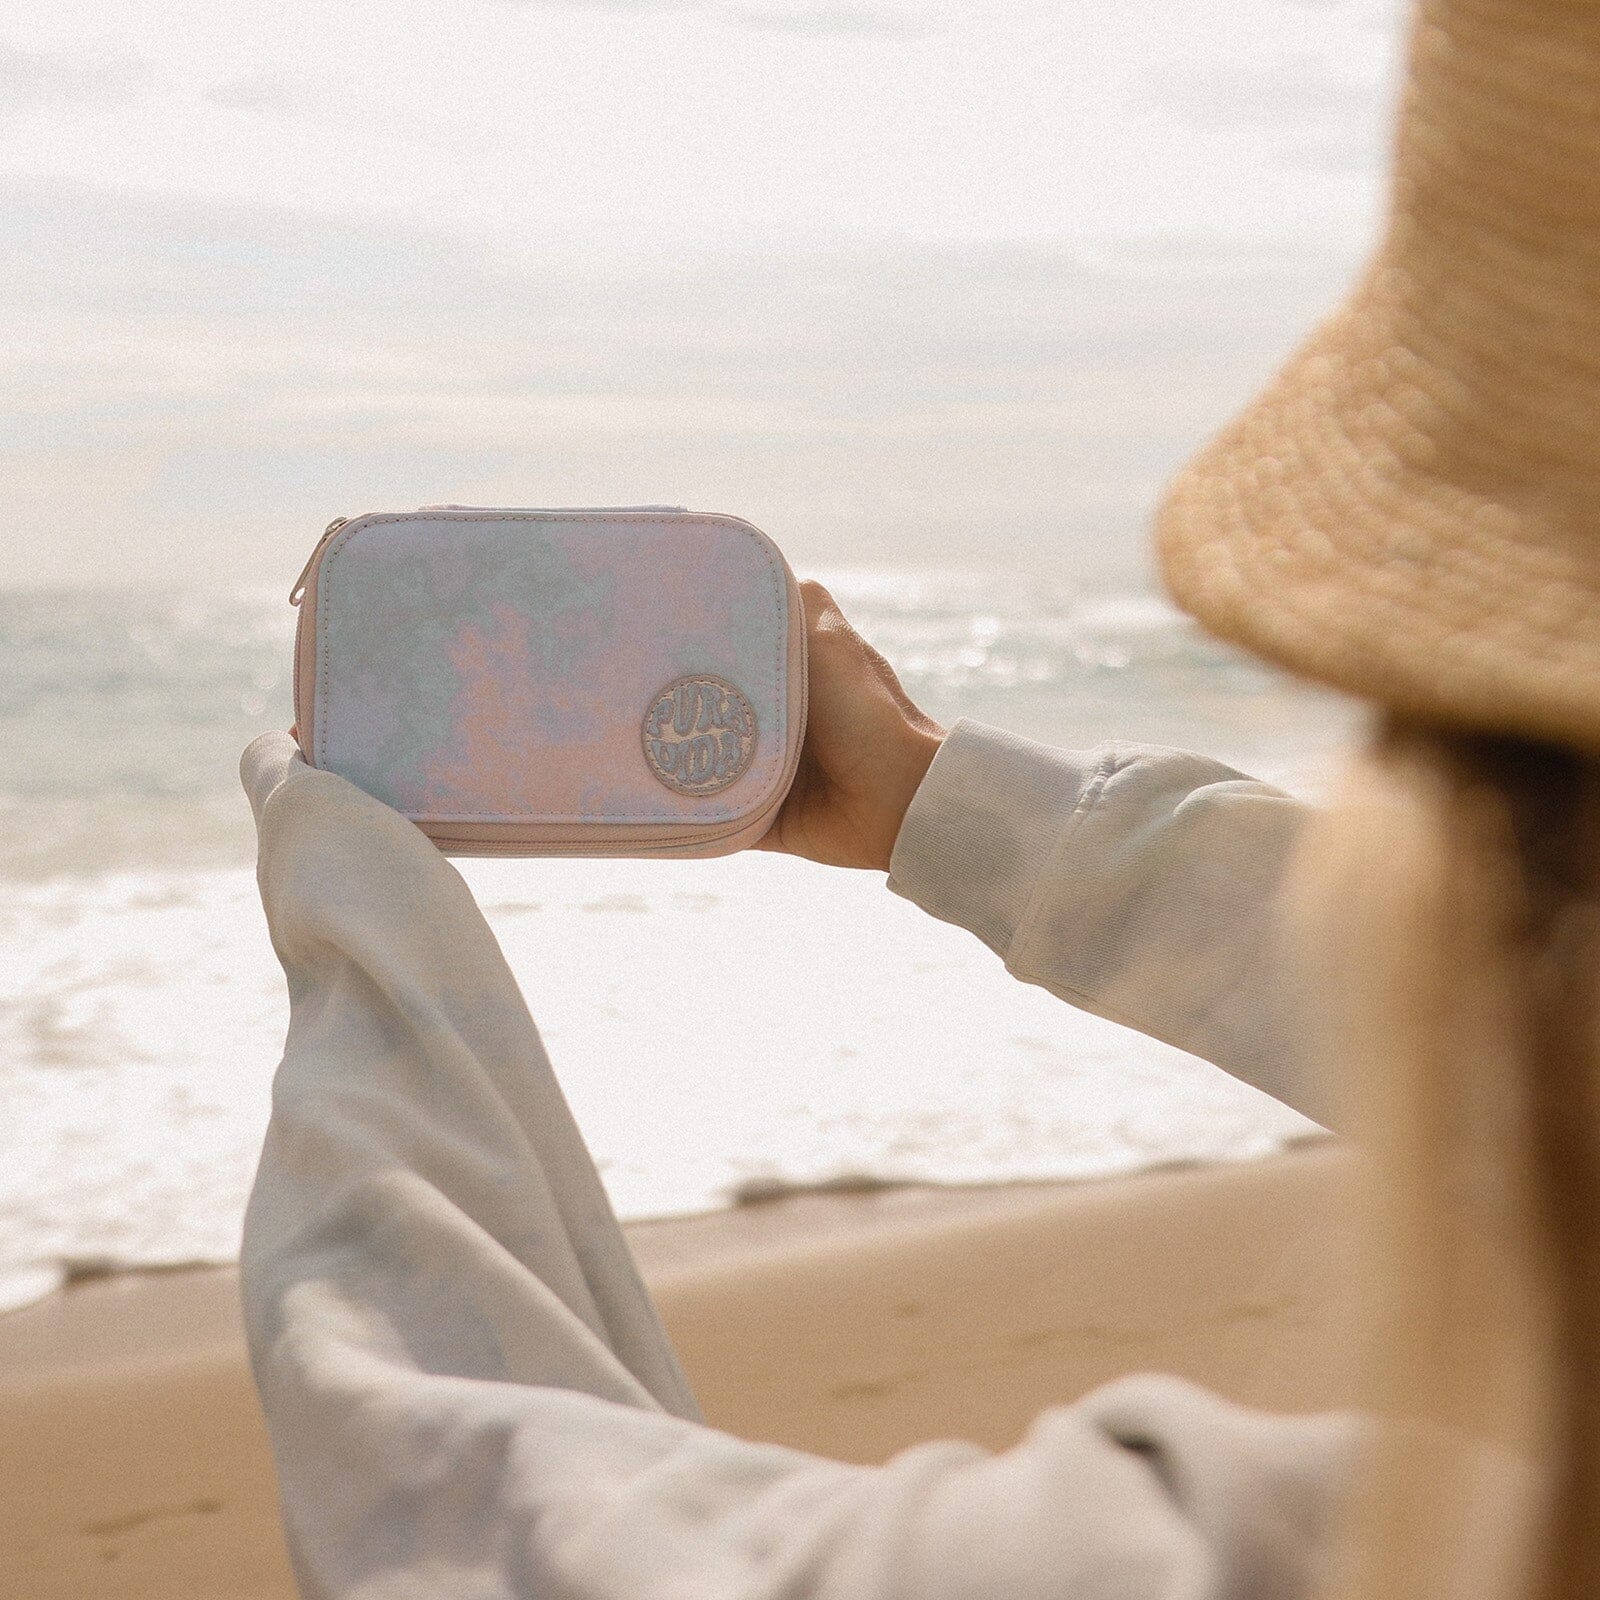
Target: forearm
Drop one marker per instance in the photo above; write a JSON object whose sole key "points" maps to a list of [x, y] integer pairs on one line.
{"points": [[418, 1136], [1139, 883]]}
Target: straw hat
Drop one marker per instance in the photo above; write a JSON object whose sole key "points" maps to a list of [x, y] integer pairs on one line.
{"points": [[1412, 510]]}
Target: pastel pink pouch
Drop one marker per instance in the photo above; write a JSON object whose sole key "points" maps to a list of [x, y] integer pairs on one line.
{"points": [[573, 682]]}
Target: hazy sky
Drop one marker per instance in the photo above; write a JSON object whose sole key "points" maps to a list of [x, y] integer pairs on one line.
{"points": [[896, 278]]}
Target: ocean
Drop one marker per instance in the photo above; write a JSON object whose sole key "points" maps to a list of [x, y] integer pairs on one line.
{"points": [[142, 1011]]}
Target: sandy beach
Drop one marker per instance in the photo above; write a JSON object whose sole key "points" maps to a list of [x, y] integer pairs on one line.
{"points": [[136, 1464]]}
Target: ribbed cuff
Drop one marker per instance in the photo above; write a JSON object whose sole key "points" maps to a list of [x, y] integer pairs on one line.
{"points": [[984, 824]]}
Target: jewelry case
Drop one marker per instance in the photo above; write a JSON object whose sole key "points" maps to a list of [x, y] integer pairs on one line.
{"points": [[618, 681]]}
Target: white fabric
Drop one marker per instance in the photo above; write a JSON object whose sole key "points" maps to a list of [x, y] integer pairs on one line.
{"points": [[468, 1391], [1136, 882]]}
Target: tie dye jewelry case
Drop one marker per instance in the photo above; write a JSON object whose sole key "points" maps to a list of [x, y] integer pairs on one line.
{"points": [[616, 681]]}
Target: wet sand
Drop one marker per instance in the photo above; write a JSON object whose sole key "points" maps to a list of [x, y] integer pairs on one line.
{"points": [[135, 1462]]}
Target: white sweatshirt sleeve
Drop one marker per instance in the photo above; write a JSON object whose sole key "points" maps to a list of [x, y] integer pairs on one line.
{"points": [[467, 1388], [1139, 883]]}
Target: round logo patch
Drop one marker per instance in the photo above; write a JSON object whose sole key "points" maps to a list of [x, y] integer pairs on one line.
{"points": [[699, 734]]}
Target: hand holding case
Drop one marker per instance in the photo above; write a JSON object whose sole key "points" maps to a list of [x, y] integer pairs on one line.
{"points": [[575, 682]]}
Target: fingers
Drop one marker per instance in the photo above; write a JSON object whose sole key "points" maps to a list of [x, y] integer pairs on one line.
{"points": [[854, 658], [828, 626], [822, 610]]}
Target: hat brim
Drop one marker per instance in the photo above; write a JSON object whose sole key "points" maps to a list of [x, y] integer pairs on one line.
{"points": [[1350, 526]]}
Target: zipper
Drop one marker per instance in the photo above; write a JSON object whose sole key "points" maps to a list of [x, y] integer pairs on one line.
{"points": [[297, 593]]}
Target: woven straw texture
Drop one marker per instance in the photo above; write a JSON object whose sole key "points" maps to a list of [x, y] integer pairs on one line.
{"points": [[1411, 511]]}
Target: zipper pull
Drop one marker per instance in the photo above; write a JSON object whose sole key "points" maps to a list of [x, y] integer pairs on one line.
{"points": [[297, 593]]}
